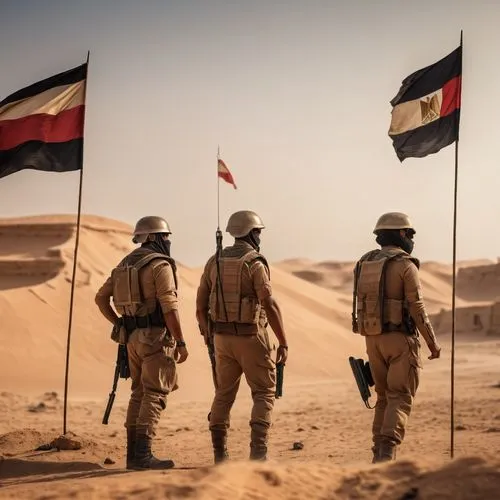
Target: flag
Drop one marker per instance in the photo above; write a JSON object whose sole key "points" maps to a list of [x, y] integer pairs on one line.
{"points": [[224, 173], [426, 110], [41, 126]]}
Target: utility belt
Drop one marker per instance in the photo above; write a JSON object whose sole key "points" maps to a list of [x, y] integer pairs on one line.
{"points": [[403, 328], [130, 323], [234, 328]]}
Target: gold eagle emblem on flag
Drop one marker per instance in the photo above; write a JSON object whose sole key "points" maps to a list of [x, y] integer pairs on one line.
{"points": [[430, 108]]}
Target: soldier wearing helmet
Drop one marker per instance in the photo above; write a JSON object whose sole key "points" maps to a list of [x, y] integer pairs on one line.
{"points": [[389, 311], [235, 303], [144, 291]]}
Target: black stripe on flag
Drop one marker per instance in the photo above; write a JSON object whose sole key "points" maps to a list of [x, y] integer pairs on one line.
{"points": [[38, 155], [431, 78], [428, 139]]}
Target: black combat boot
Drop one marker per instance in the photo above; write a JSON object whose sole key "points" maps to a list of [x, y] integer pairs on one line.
{"points": [[258, 443], [144, 459], [386, 452], [131, 438], [259, 454], [376, 451], [219, 440]]}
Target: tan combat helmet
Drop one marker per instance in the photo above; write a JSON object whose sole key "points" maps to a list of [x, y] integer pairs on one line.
{"points": [[242, 222], [149, 225], [393, 220]]}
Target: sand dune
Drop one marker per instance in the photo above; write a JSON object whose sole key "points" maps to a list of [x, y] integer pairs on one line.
{"points": [[321, 407], [35, 298], [35, 270]]}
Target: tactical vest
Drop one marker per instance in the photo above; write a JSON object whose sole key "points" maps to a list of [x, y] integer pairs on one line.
{"points": [[127, 295], [227, 303], [373, 312]]}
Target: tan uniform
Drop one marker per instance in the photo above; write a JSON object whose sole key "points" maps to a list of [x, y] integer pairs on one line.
{"points": [[394, 355], [150, 350], [240, 347]]}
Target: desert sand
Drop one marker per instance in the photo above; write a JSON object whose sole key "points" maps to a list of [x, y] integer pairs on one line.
{"points": [[320, 408]]}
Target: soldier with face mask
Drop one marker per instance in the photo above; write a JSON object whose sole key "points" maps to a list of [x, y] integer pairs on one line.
{"points": [[144, 291], [389, 311], [235, 302]]}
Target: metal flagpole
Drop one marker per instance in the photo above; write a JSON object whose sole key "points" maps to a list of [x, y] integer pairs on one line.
{"points": [[452, 415], [75, 257], [218, 188]]}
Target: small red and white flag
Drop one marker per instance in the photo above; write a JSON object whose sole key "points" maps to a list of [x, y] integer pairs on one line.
{"points": [[224, 173]]}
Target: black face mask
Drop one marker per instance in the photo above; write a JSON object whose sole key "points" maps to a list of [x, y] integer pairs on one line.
{"points": [[159, 244], [392, 237], [253, 239], [407, 244]]}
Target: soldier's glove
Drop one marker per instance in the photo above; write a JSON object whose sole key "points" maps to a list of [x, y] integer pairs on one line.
{"points": [[435, 351], [282, 354]]}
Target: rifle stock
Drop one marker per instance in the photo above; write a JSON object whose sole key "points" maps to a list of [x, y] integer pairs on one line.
{"points": [[363, 377]]}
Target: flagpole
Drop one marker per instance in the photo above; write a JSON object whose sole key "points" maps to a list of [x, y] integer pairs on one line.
{"points": [[452, 415], [218, 188], [75, 257]]}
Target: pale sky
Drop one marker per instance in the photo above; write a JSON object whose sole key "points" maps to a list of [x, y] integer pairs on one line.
{"points": [[297, 95]]}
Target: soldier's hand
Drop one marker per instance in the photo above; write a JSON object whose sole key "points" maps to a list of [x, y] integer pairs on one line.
{"points": [[181, 354], [281, 354], [435, 351]]}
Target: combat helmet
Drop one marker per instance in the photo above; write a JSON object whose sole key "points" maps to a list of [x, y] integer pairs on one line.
{"points": [[149, 225], [393, 220], [242, 222]]}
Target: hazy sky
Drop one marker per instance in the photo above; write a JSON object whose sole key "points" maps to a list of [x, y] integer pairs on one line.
{"points": [[297, 95]]}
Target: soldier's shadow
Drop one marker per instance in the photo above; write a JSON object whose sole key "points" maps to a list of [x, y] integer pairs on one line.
{"points": [[20, 471]]}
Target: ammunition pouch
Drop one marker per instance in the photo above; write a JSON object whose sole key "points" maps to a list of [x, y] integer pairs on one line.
{"points": [[130, 323]]}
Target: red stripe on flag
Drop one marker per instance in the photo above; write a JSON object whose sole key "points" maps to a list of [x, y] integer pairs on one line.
{"points": [[63, 127], [224, 173], [452, 91], [227, 177]]}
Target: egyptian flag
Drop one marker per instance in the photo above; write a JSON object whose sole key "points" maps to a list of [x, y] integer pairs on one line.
{"points": [[426, 110], [41, 126], [224, 173]]}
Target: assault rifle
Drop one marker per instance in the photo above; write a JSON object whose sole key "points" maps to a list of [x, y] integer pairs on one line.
{"points": [[121, 371], [363, 377]]}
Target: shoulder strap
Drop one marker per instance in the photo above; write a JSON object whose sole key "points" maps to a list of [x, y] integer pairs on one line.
{"points": [[149, 257], [400, 254], [254, 256], [415, 261]]}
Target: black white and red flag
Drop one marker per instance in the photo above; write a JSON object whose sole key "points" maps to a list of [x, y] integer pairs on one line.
{"points": [[426, 110], [41, 126]]}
